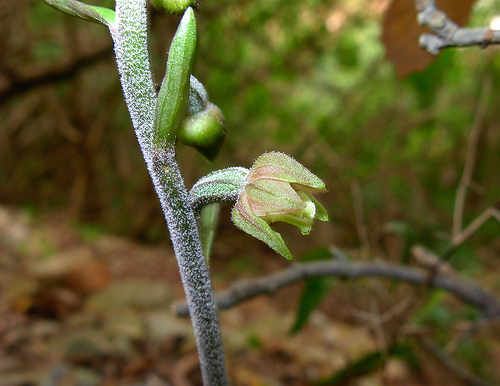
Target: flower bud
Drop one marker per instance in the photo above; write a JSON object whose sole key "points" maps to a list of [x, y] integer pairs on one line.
{"points": [[204, 131], [173, 6]]}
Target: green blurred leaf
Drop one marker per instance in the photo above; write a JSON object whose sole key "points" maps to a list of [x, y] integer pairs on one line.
{"points": [[209, 220], [315, 290], [368, 363]]}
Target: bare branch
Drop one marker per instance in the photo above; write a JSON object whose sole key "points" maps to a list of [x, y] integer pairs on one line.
{"points": [[463, 236], [22, 81], [450, 363], [359, 212], [447, 32], [470, 328], [470, 160], [466, 291]]}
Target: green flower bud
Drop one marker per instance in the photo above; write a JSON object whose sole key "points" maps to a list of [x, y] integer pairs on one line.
{"points": [[204, 131], [278, 188], [174, 6]]}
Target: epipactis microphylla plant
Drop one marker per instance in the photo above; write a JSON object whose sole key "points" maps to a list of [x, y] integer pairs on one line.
{"points": [[275, 188]]}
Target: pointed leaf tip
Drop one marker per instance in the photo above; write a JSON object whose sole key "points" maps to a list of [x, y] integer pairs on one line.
{"points": [[84, 11], [171, 104]]}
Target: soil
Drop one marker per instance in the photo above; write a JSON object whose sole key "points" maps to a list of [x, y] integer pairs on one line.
{"points": [[79, 307]]}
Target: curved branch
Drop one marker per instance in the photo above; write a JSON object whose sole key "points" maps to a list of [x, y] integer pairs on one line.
{"points": [[466, 291], [447, 33], [22, 82]]}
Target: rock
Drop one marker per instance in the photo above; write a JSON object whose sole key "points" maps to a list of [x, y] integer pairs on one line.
{"points": [[78, 269], [14, 226], [163, 324], [396, 371], [89, 349], [87, 377], [132, 293]]}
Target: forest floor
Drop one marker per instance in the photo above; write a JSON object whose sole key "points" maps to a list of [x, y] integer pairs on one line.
{"points": [[78, 308]]}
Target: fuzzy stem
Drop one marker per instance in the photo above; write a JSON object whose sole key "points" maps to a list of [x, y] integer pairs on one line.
{"points": [[193, 269], [130, 37]]}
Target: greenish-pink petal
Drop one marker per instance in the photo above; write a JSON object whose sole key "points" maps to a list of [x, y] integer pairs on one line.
{"points": [[258, 228], [279, 166], [272, 197]]}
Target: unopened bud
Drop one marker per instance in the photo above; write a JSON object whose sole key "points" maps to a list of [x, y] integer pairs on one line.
{"points": [[204, 131]]}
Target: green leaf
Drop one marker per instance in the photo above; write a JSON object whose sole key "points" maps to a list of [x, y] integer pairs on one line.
{"points": [[209, 219], [92, 13], [219, 186], [106, 13], [365, 365], [370, 362], [174, 91], [315, 290]]}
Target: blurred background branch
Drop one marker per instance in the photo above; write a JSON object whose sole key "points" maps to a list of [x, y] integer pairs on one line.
{"points": [[447, 32], [468, 292]]}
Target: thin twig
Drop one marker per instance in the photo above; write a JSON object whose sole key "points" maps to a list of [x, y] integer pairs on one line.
{"points": [[467, 291], [447, 33], [22, 81], [469, 330], [464, 235], [359, 214], [450, 363], [470, 160]]}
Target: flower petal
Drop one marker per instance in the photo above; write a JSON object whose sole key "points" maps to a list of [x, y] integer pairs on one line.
{"points": [[272, 197], [304, 218], [321, 213], [258, 228], [279, 166]]}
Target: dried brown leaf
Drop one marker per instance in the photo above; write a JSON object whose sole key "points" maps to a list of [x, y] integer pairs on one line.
{"points": [[401, 32]]}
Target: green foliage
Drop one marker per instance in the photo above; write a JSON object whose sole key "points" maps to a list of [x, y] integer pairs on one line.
{"points": [[88, 233], [323, 94], [315, 290], [465, 260], [368, 363]]}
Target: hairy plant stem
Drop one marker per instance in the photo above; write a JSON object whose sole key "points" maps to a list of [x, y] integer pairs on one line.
{"points": [[193, 269], [130, 37]]}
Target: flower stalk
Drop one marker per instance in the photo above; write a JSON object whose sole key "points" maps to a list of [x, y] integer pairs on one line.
{"points": [[130, 38]]}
